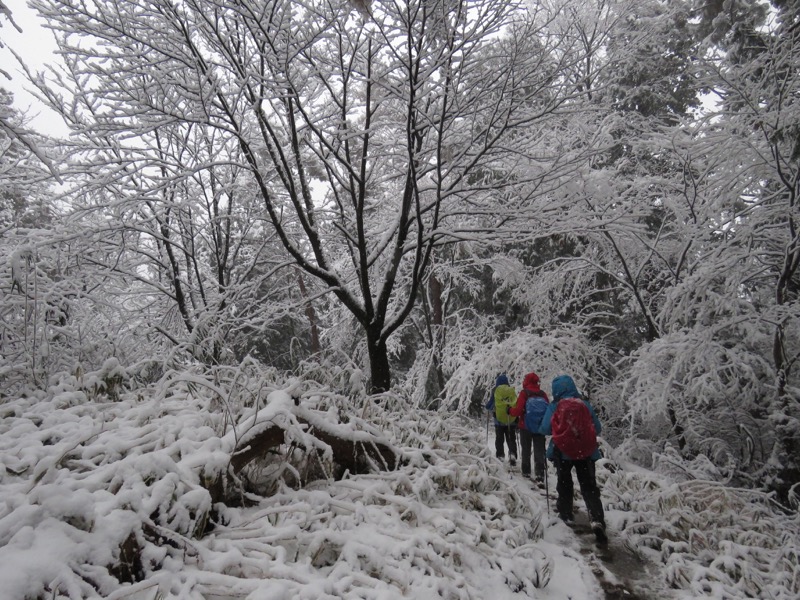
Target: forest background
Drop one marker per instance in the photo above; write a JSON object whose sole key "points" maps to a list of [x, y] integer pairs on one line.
{"points": [[397, 201]]}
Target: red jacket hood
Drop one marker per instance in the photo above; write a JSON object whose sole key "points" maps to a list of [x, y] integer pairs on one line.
{"points": [[531, 382], [530, 385]]}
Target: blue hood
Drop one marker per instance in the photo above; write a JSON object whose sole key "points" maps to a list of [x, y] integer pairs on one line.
{"points": [[564, 387], [501, 380]]}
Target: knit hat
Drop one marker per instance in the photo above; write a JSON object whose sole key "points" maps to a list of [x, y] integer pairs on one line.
{"points": [[502, 379]]}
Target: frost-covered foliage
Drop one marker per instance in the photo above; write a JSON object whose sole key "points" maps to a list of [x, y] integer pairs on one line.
{"points": [[549, 355], [58, 316], [708, 388], [143, 497], [713, 541], [111, 498], [716, 391]]}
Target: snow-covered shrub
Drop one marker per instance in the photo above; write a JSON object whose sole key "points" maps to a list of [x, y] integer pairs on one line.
{"points": [[714, 541], [340, 373], [549, 355], [111, 499], [108, 381], [703, 395]]}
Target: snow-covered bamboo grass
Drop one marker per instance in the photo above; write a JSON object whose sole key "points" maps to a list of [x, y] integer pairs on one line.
{"points": [[112, 499], [118, 500], [713, 540]]}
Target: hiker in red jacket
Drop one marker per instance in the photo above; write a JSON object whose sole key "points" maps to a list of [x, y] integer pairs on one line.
{"points": [[531, 437], [573, 426]]}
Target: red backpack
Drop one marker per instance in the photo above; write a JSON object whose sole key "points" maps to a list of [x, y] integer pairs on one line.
{"points": [[573, 429]]}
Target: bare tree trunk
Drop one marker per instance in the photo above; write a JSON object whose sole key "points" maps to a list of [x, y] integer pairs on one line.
{"points": [[310, 314], [174, 275], [784, 291], [677, 428], [437, 338], [380, 372]]}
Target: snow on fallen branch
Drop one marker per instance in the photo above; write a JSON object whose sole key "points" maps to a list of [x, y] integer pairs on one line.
{"points": [[284, 421], [282, 425]]}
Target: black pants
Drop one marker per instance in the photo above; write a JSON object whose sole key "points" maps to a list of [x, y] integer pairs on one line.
{"points": [[587, 481], [505, 434], [528, 440]]}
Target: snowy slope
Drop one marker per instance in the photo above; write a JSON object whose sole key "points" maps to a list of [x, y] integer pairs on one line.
{"points": [[103, 499]]}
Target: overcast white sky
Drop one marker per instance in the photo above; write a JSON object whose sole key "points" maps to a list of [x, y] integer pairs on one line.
{"points": [[36, 45]]}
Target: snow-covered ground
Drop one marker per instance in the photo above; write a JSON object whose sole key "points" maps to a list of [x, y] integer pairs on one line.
{"points": [[116, 500]]}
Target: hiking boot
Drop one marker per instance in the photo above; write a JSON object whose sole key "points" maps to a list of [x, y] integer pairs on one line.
{"points": [[599, 531], [568, 519], [512, 461]]}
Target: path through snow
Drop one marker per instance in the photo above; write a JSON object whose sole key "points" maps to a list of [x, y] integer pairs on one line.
{"points": [[620, 572]]}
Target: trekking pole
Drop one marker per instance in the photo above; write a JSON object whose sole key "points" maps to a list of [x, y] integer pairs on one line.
{"points": [[546, 488]]}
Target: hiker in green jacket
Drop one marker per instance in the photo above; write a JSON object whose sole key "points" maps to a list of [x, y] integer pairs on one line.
{"points": [[502, 398]]}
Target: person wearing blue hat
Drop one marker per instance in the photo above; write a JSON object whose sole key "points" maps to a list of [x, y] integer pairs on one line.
{"points": [[502, 398]]}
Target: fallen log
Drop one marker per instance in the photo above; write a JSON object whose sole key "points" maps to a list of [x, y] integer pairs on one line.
{"points": [[352, 455], [360, 452]]}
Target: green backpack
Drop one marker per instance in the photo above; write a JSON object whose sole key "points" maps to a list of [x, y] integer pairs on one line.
{"points": [[504, 397]]}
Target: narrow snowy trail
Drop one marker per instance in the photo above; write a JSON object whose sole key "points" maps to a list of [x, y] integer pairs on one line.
{"points": [[620, 573]]}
